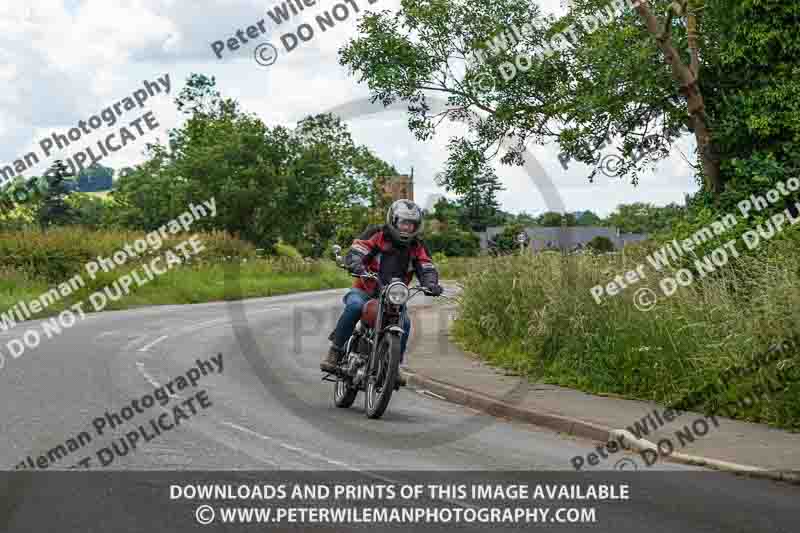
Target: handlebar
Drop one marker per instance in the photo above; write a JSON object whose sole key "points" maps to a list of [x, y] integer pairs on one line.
{"points": [[371, 275]]}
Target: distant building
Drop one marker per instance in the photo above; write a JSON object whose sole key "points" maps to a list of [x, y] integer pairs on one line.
{"points": [[567, 238], [96, 178], [399, 187]]}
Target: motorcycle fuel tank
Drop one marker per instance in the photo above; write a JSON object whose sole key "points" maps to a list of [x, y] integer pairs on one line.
{"points": [[369, 313]]}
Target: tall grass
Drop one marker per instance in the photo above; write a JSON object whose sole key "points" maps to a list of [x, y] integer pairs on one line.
{"points": [[453, 268], [536, 316]]}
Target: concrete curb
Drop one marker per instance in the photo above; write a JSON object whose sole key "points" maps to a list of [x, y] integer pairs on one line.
{"points": [[579, 428], [493, 406], [698, 460]]}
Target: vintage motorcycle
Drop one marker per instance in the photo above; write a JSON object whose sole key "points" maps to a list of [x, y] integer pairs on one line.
{"points": [[371, 356]]}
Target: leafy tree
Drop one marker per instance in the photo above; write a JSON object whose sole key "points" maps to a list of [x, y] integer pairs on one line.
{"points": [[54, 210], [348, 181], [642, 217], [525, 219], [447, 212], [588, 218], [552, 219], [269, 183], [473, 179], [729, 76]]}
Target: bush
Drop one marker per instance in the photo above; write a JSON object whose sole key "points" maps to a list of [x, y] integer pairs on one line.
{"points": [[90, 210], [453, 243], [59, 253], [601, 244], [283, 249], [506, 242]]}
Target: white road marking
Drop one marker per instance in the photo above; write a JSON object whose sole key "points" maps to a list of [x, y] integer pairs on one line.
{"points": [[152, 381], [148, 346], [201, 325], [313, 455], [301, 451]]}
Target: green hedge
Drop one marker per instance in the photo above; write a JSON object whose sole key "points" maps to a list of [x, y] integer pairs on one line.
{"points": [[453, 243]]}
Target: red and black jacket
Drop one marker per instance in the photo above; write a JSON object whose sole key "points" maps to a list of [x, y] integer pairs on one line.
{"points": [[379, 254]]}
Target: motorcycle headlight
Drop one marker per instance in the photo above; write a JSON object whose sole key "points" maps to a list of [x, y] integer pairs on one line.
{"points": [[397, 294]]}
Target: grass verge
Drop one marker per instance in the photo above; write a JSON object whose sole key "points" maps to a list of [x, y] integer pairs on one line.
{"points": [[535, 315], [33, 263]]}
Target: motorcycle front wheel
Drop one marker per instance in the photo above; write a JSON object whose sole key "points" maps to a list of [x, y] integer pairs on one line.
{"points": [[380, 383]]}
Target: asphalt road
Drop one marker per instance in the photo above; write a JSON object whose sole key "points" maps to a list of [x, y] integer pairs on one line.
{"points": [[270, 411]]}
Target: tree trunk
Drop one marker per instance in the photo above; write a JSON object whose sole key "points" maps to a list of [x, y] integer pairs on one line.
{"points": [[687, 77]]}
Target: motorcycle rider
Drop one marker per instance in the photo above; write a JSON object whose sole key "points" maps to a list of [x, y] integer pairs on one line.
{"points": [[393, 250]]}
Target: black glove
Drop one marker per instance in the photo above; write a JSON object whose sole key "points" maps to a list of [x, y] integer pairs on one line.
{"points": [[435, 290], [358, 269]]}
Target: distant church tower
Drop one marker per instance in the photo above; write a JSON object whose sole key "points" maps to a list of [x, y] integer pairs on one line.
{"points": [[399, 187]]}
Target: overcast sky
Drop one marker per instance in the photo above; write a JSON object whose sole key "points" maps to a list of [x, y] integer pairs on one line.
{"points": [[62, 61]]}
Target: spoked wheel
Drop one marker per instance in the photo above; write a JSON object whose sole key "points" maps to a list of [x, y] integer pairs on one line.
{"points": [[344, 394], [381, 383]]}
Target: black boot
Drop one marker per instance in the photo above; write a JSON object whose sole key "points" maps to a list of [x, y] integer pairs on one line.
{"points": [[331, 361]]}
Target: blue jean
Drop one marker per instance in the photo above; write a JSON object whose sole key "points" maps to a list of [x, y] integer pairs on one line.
{"points": [[354, 300]]}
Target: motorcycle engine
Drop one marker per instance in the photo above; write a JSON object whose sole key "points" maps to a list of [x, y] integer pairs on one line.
{"points": [[353, 363]]}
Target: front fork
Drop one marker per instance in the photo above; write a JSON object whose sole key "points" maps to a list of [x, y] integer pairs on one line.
{"points": [[394, 329]]}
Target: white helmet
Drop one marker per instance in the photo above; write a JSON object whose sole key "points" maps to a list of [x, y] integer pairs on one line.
{"points": [[404, 211]]}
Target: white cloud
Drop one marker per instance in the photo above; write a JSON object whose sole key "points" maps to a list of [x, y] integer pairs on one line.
{"points": [[62, 63]]}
